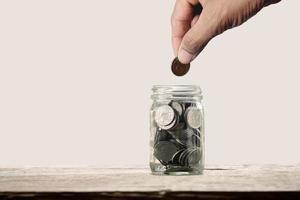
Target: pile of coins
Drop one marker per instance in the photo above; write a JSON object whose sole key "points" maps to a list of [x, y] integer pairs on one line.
{"points": [[177, 137]]}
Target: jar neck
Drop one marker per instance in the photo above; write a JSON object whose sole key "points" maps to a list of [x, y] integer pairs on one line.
{"points": [[176, 92]]}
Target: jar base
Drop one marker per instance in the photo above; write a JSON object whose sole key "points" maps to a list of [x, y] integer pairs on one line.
{"points": [[176, 171]]}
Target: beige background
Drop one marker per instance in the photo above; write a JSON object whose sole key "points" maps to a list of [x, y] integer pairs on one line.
{"points": [[75, 80]]}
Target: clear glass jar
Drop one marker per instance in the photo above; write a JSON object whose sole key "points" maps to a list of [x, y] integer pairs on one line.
{"points": [[177, 130]]}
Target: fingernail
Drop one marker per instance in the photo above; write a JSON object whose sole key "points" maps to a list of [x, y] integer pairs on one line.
{"points": [[184, 56]]}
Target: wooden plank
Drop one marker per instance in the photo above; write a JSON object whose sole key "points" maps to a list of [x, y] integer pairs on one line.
{"points": [[152, 195], [223, 182]]}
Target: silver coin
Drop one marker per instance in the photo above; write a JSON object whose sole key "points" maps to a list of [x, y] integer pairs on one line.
{"points": [[164, 115], [194, 157], [183, 156], [186, 157], [180, 157], [175, 158], [172, 124], [183, 136], [193, 117], [189, 157], [177, 106], [196, 141], [180, 142], [165, 150], [162, 135]]}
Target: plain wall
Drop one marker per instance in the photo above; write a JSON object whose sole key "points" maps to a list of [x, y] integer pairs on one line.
{"points": [[76, 78]]}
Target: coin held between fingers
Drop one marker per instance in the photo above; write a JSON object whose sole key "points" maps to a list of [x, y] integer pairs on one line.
{"points": [[178, 68]]}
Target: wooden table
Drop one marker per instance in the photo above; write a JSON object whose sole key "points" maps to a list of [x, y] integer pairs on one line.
{"points": [[218, 182]]}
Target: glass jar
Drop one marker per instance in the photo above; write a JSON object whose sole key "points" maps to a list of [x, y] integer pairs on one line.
{"points": [[177, 130]]}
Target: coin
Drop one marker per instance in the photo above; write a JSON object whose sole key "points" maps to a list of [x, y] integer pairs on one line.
{"points": [[180, 143], [178, 68], [183, 157], [177, 123], [188, 156], [194, 157], [175, 158], [162, 135], [165, 150], [172, 125], [193, 117], [196, 141], [164, 115], [197, 138], [183, 136], [177, 106]]}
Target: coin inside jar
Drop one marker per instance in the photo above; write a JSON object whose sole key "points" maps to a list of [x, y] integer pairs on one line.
{"points": [[193, 117], [194, 157], [177, 106], [165, 151], [164, 115], [178, 68]]}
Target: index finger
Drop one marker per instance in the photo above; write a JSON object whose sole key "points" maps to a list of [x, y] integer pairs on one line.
{"points": [[181, 20]]}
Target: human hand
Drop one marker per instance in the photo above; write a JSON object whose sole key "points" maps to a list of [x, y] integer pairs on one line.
{"points": [[191, 31]]}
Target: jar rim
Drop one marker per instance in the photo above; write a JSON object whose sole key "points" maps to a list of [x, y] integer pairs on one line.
{"points": [[176, 92]]}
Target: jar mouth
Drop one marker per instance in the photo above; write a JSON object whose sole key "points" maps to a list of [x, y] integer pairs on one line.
{"points": [[182, 92]]}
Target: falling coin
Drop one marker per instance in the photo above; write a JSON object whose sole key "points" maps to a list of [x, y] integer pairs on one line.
{"points": [[178, 68]]}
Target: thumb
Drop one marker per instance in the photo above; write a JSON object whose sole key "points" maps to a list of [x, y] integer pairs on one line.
{"points": [[196, 39]]}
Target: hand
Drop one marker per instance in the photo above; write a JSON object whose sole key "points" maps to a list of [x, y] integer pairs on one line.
{"points": [[191, 31]]}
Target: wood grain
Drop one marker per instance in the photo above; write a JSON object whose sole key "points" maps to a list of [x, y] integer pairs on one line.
{"points": [[218, 182]]}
